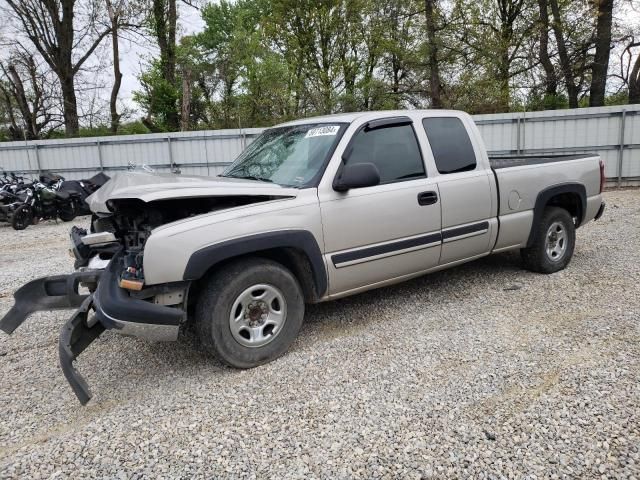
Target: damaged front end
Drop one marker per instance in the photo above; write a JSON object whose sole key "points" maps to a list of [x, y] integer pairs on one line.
{"points": [[101, 304], [109, 289]]}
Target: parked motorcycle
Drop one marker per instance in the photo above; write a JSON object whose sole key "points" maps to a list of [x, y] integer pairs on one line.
{"points": [[84, 188], [14, 192], [23, 204], [46, 203]]}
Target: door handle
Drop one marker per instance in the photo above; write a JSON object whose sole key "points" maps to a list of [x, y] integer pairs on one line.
{"points": [[427, 198]]}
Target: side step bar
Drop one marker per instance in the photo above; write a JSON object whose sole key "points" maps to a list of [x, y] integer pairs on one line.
{"points": [[58, 292]]}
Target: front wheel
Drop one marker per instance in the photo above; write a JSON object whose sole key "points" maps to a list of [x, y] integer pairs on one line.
{"points": [[22, 217], [250, 312], [553, 243]]}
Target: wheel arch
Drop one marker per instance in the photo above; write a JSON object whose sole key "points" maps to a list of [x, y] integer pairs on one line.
{"points": [[297, 250], [570, 196]]}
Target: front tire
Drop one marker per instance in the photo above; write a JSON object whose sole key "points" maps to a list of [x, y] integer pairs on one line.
{"points": [[553, 244], [250, 312]]}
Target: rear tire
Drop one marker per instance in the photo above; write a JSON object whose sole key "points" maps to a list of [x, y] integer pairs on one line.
{"points": [[553, 242], [68, 212], [250, 312], [22, 217]]}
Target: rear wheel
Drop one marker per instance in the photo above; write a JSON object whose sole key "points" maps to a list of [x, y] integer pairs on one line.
{"points": [[250, 312], [67, 211], [22, 217], [554, 242]]}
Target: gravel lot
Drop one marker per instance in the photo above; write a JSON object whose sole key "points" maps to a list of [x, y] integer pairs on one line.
{"points": [[483, 371]]}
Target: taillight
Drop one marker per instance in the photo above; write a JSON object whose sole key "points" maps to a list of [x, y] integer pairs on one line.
{"points": [[602, 177]]}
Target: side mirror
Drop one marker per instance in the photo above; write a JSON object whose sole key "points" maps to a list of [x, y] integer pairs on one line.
{"points": [[357, 175]]}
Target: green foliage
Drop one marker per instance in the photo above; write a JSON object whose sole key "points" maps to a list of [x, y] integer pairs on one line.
{"points": [[158, 97], [259, 62]]}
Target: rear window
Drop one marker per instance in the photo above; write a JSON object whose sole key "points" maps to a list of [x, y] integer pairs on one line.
{"points": [[450, 144]]}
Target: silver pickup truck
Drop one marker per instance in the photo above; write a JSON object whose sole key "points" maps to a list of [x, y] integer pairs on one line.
{"points": [[313, 210]]}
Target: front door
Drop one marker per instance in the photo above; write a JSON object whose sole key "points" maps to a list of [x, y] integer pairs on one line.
{"points": [[391, 230]]}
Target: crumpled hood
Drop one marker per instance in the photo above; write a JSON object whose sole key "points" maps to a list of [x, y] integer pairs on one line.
{"points": [[149, 187]]}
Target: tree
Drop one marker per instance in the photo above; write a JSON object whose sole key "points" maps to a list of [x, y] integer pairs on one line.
{"points": [[28, 97], [629, 73], [497, 44], [565, 61], [49, 26], [433, 49], [634, 82], [550, 77], [115, 11], [164, 19], [603, 10]]}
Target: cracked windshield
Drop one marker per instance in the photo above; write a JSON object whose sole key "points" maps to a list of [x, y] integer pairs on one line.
{"points": [[292, 156]]}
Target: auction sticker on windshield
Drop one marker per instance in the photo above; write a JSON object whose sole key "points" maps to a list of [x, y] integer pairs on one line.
{"points": [[323, 131]]}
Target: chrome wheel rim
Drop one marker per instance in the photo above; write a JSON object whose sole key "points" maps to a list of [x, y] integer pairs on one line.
{"points": [[258, 315], [556, 243]]}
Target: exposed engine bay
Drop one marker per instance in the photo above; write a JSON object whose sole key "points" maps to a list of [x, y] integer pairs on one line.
{"points": [[131, 223]]}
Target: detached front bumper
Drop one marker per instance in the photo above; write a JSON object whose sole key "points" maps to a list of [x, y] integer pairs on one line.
{"points": [[114, 309], [117, 310]]}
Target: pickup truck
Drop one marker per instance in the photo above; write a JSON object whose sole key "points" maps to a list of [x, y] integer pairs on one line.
{"points": [[312, 210]]}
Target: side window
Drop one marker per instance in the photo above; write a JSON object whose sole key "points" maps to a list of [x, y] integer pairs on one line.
{"points": [[450, 144], [394, 150]]}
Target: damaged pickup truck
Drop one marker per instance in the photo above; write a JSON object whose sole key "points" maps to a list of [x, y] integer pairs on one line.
{"points": [[313, 210]]}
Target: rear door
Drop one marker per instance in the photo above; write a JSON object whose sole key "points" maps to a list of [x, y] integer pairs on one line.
{"points": [[376, 234], [465, 187]]}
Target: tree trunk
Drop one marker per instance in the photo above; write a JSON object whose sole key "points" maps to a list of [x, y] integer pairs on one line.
{"points": [[165, 29], [565, 62], [70, 106], [435, 83], [186, 100], [634, 82], [604, 10], [20, 97], [114, 17], [551, 80]]}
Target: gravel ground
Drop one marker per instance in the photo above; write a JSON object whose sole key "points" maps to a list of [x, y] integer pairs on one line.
{"points": [[483, 371]]}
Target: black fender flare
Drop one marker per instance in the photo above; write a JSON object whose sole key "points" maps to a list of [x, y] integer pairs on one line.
{"points": [[205, 258], [548, 193]]}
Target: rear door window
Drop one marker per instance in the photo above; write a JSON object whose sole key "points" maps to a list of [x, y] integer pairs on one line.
{"points": [[450, 144]]}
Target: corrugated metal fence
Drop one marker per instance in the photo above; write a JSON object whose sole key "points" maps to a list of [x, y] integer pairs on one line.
{"points": [[613, 132]]}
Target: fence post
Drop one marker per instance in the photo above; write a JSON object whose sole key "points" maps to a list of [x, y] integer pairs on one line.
{"points": [[170, 153], [100, 155], [518, 135], [206, 150], [621, 146], [35, 149]]}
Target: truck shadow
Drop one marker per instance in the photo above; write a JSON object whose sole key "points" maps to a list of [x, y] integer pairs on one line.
{"points": [[495, 272], [187, 360], [501, 271]]}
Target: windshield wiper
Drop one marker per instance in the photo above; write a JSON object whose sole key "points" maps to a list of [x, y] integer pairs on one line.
{"points": [[250, 177]]}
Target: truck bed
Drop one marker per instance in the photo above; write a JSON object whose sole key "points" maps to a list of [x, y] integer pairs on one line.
{"points": [[506, 161]]}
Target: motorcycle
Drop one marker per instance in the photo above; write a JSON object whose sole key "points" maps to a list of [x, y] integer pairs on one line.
{"points": [[13, 194], [42, 202], [51, 197]]}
